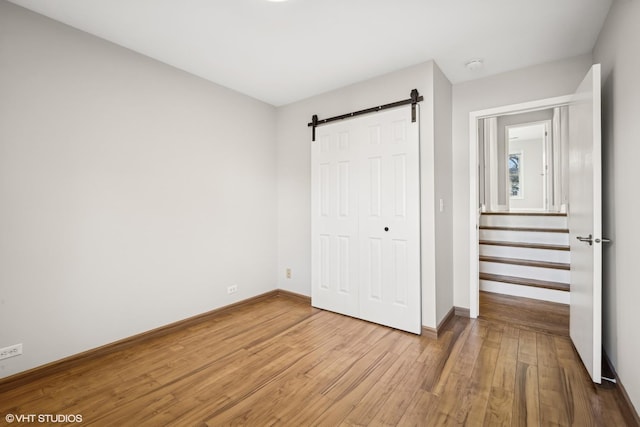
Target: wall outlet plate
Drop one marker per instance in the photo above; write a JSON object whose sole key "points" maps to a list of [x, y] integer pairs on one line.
{"points": [[232, 289], [11, 351]]}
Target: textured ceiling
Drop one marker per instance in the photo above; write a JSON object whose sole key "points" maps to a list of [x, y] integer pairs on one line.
{"points": [[283, 52]]}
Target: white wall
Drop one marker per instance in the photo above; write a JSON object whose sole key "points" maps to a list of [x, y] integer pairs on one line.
{"points": [[443, 191], [532, 83], [294, 142], [617, 51], [132, 193]]}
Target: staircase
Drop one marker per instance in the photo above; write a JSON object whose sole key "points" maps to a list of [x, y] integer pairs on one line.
{"points": [[525, 254]]}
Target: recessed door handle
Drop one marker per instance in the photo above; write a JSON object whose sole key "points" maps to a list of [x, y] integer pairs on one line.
{"points": [[588, 240]]}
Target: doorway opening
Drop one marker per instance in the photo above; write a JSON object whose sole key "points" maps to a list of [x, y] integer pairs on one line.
{"points": [[523, 238], [527, 167], [583, 209], [492, 186]]}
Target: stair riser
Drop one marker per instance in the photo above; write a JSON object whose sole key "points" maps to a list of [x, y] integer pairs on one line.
{"points": [[547, 274], [552, 295], [524, 221], [526, 253], [525, 236]]}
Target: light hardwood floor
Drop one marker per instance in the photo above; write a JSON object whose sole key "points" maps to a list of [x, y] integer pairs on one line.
{"points": [[280, 361]]}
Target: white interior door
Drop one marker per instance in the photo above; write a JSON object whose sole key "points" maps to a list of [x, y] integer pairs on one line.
{"points": [[585, 222], [366, 219], [334, 219], [390, 222]]}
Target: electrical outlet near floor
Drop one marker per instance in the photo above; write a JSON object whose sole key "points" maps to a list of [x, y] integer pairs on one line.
{"points": [[12, 350], [288, 273], [232, 289]]}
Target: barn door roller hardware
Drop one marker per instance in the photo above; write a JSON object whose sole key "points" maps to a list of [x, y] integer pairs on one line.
{"points": [[413, 100]]}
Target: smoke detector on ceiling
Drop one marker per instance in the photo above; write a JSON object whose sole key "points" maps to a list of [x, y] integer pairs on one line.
{"points": [[474, 64]]}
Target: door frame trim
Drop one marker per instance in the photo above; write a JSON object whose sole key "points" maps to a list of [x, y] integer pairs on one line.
{"points": [[474, 209]]}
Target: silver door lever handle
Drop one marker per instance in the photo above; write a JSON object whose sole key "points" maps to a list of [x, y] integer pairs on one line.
{"points": [[588, 240]]}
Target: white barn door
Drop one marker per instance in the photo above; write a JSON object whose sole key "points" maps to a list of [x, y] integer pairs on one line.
{"points": [[366, 219], [334, 219]]}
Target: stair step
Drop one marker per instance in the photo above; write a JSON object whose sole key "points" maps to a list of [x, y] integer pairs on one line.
{"points": [[552, 295], [535, 237], [527, 220], [525, 245], [539, 229], [526, 213], [525, 262], [525, 272], [525, 282], [524, 252]]}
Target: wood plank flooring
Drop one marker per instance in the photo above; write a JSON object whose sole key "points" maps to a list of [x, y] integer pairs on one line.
{"points": [[282, 362], [525, 314]]}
